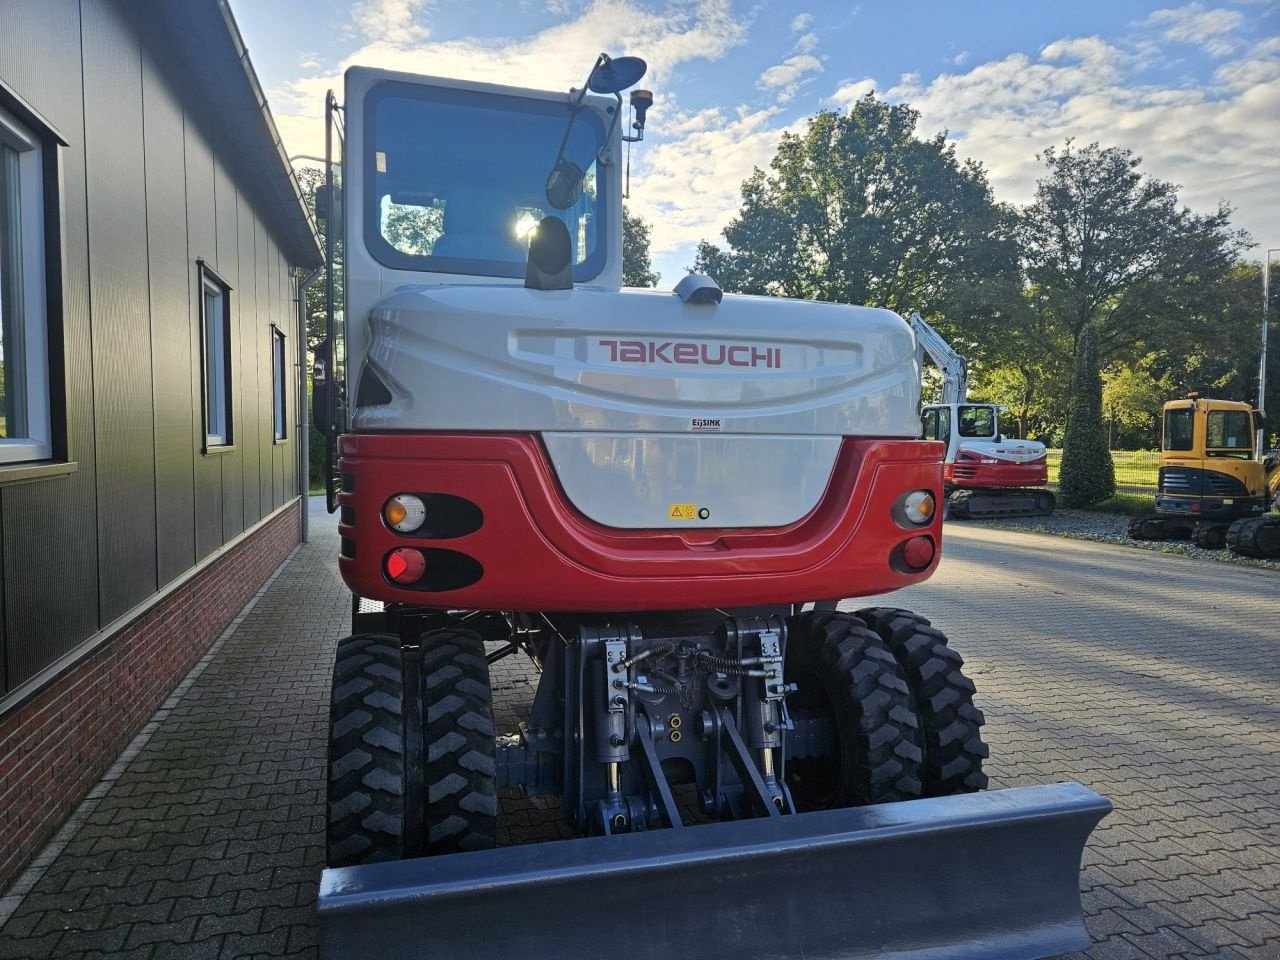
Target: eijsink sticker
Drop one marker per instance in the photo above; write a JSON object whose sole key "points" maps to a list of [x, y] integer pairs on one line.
{"points": [[705, 425]]}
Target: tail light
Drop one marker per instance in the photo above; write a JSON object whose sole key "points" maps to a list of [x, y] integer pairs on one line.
{"points": [[918, 552], [405, 565]]}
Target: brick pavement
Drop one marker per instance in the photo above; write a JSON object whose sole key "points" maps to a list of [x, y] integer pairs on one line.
{"points": [[1151, 678]]}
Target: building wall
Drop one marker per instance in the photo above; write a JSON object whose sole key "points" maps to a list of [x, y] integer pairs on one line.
{"points": [[58, 743], [146, 192]]}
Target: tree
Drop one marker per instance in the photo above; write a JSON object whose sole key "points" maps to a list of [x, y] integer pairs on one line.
{"points": [[1108, 245], [309, 178], [1108, 251], [1087, 473], [857, 209], [637, 268], [1132, 398]]}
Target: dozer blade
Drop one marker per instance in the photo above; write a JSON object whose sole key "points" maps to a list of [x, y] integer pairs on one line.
{"points": [[992, 875]]}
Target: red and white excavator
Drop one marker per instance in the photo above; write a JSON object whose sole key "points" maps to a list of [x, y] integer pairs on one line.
{"points": [[659, 498], [985, 473]]}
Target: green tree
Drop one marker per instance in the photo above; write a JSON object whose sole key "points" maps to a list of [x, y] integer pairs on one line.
{"points": [[1087, 474], [1107, 249], [309, 178], [1105, 244], [1132, 398], [637, 267], [858, 209]]}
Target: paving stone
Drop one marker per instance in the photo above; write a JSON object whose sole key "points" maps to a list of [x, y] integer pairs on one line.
{"points": [[1150, 678]]}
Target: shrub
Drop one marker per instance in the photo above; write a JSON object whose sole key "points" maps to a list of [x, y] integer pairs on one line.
{"points": [[1087, 474]]}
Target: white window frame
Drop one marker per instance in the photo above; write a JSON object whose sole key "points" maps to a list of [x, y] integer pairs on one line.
{"points": [[215, 361], [32, 350], [280, 385]]}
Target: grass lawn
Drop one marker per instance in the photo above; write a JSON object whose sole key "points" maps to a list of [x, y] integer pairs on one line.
{"points": [[1134, 468]]}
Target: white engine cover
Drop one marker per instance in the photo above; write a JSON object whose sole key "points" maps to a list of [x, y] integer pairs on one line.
{"points": [[1008, 451], [645, 402]]}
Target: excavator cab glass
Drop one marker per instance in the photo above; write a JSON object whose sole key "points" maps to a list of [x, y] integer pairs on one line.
{"points": [[977, 421], [458, 180], [936, 422], [1229, 433], [1179, 429]]}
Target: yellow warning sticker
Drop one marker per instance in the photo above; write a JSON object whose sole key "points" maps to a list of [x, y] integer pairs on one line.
{"points": [[683, 511]]}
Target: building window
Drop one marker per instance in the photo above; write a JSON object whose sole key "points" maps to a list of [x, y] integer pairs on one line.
{"points": [[280, 382], [215, 324], [25, 427]]}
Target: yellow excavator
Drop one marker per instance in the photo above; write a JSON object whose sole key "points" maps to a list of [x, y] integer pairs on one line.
{"points": [[1216, 484]]}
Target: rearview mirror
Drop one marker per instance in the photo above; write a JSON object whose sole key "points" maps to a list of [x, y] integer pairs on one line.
{"points": [[564, 184], [322, 388]]}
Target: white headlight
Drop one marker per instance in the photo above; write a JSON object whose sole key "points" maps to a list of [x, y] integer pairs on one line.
{"points": [[919, 506], [404, 512]]}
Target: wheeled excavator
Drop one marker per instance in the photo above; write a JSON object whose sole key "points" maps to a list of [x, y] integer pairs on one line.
{"points": [[662, 500], [985, 474]]}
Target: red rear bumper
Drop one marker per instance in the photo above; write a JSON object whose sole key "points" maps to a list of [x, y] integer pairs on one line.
{"points": [[975, 474], [537, 552]]}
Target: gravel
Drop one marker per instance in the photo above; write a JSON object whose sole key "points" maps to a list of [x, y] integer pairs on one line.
{"points": [[1113, 528]]}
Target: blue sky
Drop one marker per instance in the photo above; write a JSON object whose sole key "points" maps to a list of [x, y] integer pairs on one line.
{"points": [[1194, 88]]}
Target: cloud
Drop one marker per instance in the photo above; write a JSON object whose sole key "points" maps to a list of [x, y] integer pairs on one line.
{"points": [[786, 77], [850, 92], [1216, 141], [959, 59], [806, 43], [689, 186], [1193, 24], [801, 23], [555, 58], [389, 19]]}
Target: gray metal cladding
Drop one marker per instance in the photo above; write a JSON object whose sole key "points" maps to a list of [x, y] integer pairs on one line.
{"points": [[49, 538], [202, 245], [142, 198], [123, 430], [266, 289], [251, 321], [172, 362], [226, 213]]}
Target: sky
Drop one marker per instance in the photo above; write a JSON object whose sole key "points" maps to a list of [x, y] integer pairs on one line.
{"points": [[1193, 88]]}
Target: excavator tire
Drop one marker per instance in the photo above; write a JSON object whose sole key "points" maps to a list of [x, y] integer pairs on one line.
{"points": [[1209, 536], [952, 725], [1045, 502], [844, 670], [458, 743], [366, 822], [1257, 537], [411, 758]]}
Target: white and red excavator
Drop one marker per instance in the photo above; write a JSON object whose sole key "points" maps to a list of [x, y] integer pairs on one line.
{"points": [[659, 498], [985, 473]]}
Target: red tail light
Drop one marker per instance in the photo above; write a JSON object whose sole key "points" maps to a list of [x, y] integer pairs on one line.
{"points": [[918, 552], [405, 565]]}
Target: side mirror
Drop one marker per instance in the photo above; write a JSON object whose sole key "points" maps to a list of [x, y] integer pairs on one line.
{"points": [[322, 388]]}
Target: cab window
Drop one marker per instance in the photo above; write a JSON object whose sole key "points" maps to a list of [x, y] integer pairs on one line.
{"points": [[1178, 432], [1229, 434], [977, 422], [937, 424]]}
